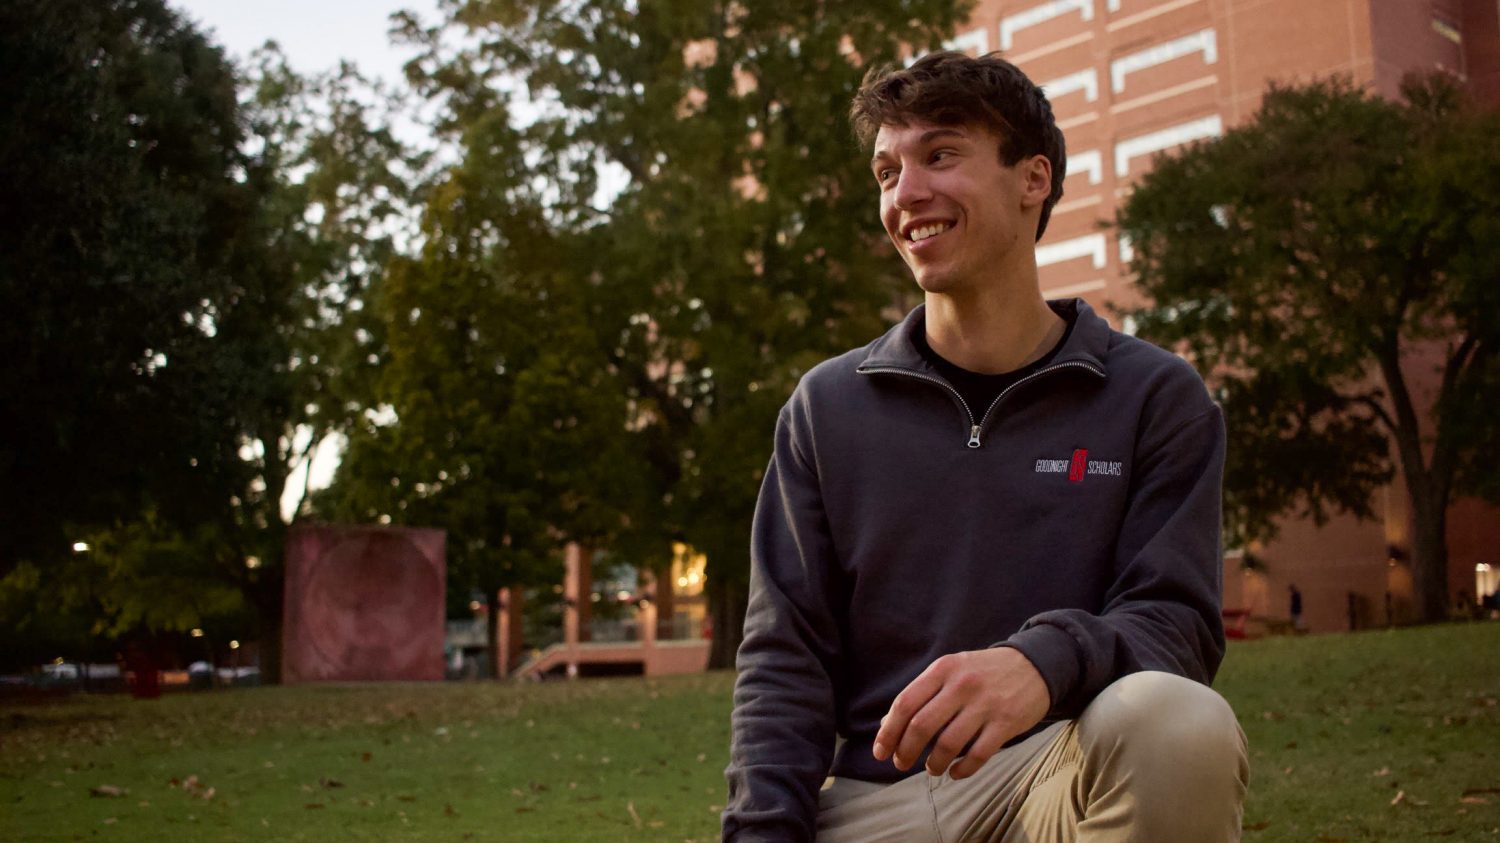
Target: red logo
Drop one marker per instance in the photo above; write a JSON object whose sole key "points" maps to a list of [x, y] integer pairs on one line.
{"points": [[1078, 465]]}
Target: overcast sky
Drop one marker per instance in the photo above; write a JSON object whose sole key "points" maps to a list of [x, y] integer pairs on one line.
{"points": [[315, 34]]}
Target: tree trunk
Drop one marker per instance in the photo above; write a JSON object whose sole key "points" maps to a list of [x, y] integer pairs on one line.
{"points": [[268, 599], [1428, 484], [585, 594], [270, 647], [726, 604], [1429, 564], [492, 622]]}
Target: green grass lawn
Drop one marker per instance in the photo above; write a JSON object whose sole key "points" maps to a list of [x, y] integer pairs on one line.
{"points": [[1375, 736]]}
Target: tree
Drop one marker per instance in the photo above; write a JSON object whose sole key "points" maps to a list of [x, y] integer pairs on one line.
{"points": [[338, 189], [124, 205], [740, 249], [1323, 265], [506, 427], [184, 271]]}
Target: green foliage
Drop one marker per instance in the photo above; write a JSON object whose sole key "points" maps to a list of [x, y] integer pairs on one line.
{"points": [[1321, 264], [730, 245], [140, 577], [184, 275], [124, 200], [338, 187]]}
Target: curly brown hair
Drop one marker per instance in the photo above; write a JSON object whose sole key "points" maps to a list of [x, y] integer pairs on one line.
{"points": [[953, 89]]}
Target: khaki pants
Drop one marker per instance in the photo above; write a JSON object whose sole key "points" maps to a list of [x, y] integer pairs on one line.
{"points": [[1154, 759]]}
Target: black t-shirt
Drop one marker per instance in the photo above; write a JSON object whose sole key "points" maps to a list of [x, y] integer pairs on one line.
{"points": [[980, 390]]}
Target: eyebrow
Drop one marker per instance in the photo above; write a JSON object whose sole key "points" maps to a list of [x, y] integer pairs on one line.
{"points": [[926, 138]]}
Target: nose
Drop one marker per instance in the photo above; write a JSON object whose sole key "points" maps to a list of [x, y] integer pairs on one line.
{"points": [[911, 188]]}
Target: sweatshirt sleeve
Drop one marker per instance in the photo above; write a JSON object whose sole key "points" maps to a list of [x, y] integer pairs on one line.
{"points": [[783, 722], [1163, 610]]}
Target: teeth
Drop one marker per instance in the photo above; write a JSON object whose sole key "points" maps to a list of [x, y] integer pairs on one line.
{"points": [[927, 231]]}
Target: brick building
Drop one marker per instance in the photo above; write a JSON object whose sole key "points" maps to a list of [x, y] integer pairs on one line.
{"points": [[1129, 79]]}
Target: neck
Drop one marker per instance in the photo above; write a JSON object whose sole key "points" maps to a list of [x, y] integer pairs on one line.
{"points": [[992, 331]]}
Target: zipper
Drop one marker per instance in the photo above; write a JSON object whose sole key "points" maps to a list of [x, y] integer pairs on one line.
{"points": [[976, 427], [968, 413]]}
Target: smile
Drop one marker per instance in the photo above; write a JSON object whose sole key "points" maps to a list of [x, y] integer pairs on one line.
{"points": [[917, 235]]}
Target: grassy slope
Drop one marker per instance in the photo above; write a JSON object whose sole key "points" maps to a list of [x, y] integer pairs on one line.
{"points": [[1338, 725]]}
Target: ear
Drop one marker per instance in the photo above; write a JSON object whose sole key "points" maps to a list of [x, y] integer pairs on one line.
{"points": [[1036, 180]]}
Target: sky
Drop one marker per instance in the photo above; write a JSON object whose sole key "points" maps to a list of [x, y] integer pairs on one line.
{"points": [[315, 34]]}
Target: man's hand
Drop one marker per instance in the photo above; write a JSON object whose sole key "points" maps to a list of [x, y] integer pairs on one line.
{"points": [[994, 694]]}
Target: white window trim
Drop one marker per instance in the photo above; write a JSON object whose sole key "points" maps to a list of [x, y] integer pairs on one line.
{"points": [[975, 39], [1011, 24], [1206, 127], [1204, 41], [1091, 162], [1084, 80], [1089, 245]]}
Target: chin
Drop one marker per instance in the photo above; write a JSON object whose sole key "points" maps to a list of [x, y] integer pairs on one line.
{"points": [[934, 282]]}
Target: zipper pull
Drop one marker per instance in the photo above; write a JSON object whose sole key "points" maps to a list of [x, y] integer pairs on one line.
{"points": [[974, 436]]}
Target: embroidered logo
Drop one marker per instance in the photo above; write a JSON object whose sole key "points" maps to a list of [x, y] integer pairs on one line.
{"points": [[1079, 463], [1080, 466]]}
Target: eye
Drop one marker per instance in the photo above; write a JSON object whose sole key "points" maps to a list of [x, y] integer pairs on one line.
{"points": [[885, 174], [941, 154]]}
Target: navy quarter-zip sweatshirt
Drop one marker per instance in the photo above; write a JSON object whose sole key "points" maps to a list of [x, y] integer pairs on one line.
{"points": [[1075, 519]]}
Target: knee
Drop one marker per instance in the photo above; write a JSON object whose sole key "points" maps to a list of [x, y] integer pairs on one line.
{"points": [[1155, 712]]}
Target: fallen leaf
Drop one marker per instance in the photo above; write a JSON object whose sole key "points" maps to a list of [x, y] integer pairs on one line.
{"points": [[365, 756], [448, 811], [330, 783], [636, 818], [1383, 771], [1475, 791], [108, 790], [1474, 800], [1260, 826], [1400, 795]]}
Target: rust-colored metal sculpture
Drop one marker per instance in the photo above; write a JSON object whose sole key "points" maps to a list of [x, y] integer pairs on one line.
{"points": [[363, 603]]}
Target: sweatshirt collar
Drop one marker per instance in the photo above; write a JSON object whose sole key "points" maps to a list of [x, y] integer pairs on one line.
{"points": [[1086, 344]]}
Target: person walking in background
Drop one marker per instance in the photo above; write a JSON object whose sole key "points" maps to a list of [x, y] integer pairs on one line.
{"points": [[1296, 608]]}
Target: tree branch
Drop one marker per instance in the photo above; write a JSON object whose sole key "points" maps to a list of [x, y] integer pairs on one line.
{"points": [[308, 456], [1406, 431], [1381, 415], [1445, 449]]}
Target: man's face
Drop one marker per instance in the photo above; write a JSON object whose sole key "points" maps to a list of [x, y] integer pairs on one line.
{"points": [[956, 213]]}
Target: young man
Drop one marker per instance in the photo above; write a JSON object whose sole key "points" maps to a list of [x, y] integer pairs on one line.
{"points": [[986, 553]]}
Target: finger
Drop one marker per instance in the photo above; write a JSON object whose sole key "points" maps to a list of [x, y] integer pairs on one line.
{"points": [[954, 737], [925, 725], [991, 738], [907, 703]]}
